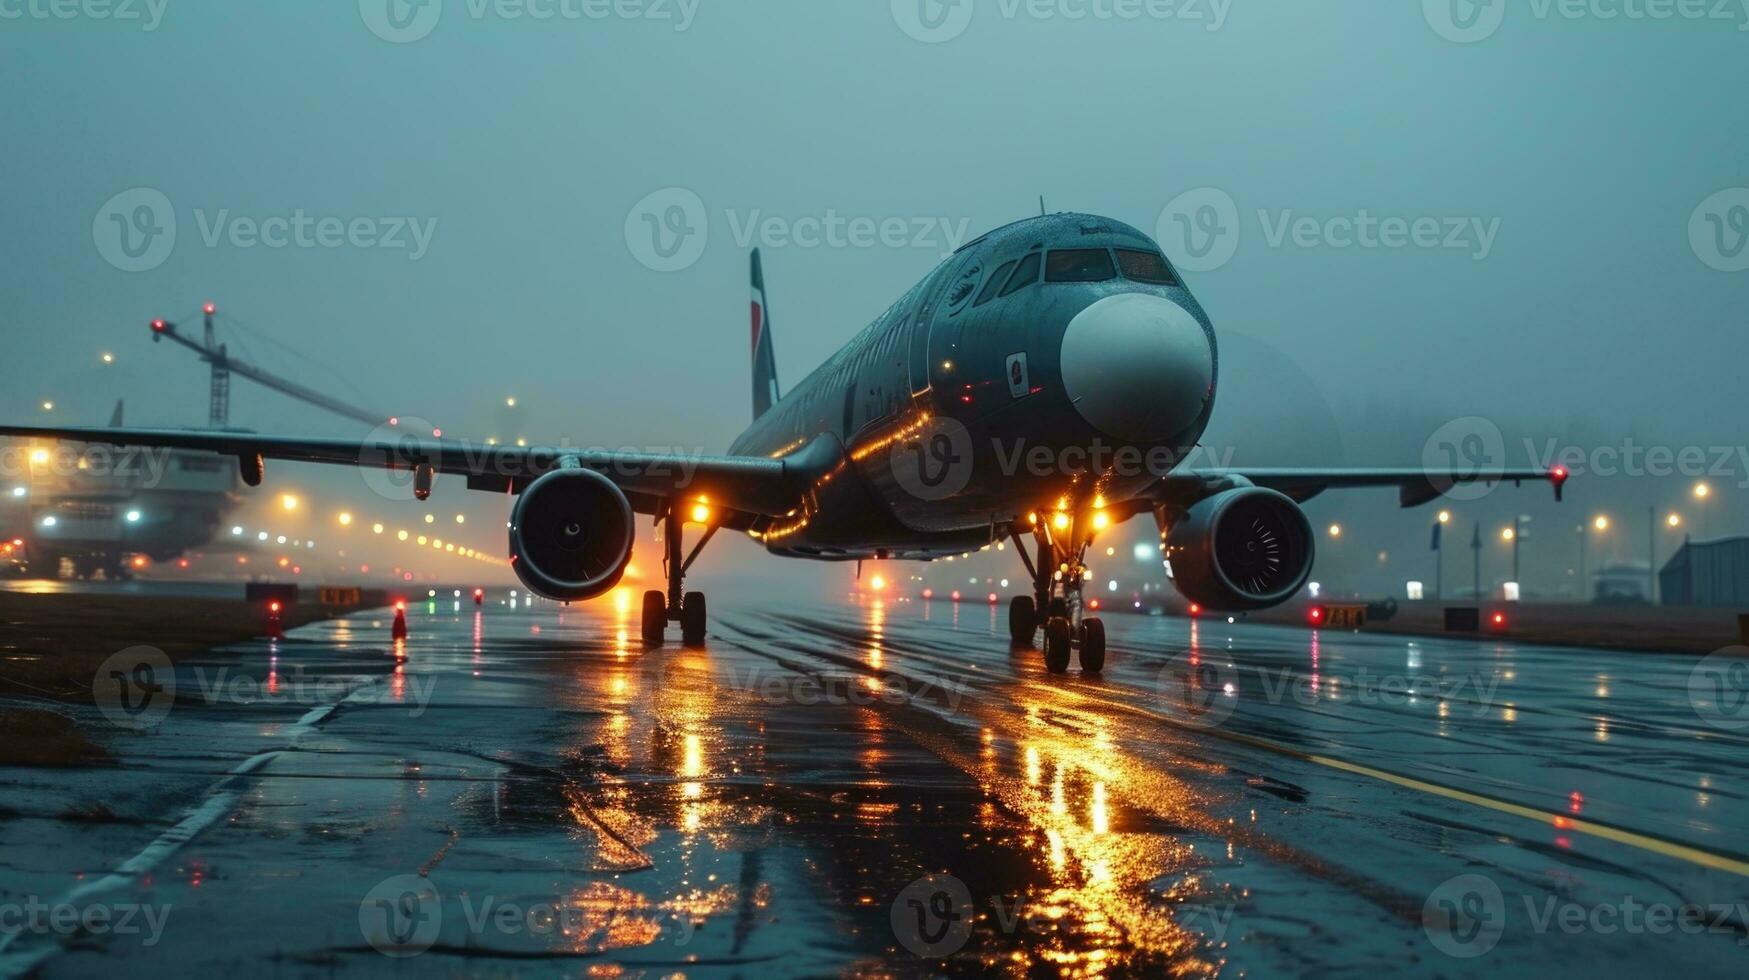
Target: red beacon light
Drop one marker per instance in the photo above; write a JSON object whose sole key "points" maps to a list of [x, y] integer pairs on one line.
{"points": [[1499, 620], [1558, 476], [1316, 615], [159, 326], [209, 309], [1196, 609]]}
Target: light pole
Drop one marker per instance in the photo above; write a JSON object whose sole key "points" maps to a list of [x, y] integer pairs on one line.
{"points": [[1439, 555], [1701, 493]]}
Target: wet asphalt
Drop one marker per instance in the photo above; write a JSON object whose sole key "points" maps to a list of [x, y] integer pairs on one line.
{"points": [[886, 787]]}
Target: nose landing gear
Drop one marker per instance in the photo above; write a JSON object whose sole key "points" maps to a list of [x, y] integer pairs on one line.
{"points": [[688, 608], [1066, 630]]}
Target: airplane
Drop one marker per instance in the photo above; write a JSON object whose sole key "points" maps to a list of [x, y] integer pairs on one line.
{"points": [[1047, 381]]}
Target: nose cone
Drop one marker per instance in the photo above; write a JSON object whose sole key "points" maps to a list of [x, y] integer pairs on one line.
{"points": [[1137, 367]]}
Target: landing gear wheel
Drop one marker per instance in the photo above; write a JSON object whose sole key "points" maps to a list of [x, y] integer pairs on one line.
{"points": [[1092, 645], [692, 620], [1059, 607], [1057, 645], [1022, 620], [655, 616]]}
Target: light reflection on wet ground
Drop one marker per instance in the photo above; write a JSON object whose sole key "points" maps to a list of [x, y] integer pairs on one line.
{"points": [[1225, 800]]}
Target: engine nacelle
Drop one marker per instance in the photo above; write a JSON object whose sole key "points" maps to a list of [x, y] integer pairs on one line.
{"points": [[1241, 549], [571, 535]]}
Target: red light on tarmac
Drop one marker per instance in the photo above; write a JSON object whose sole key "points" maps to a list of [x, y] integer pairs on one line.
{"points": [[1316, 615], [1499, 621], [401, 605], [1091, 603], [1195, 609], [992, 598], [479, 596], [956, 595], [273, 607], [928, 593]]}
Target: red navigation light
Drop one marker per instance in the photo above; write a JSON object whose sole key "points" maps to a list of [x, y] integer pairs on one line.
{"points": [[209, 309], [1558, 476], [1316, 615], [437, 433], [395, 420]]}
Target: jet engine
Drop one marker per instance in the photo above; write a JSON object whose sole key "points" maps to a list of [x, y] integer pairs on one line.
{"points": [[1241, 549], [571, 535]]}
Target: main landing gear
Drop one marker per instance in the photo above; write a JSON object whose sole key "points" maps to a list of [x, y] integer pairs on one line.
{"points": [[685, 608], [1066, 630]]}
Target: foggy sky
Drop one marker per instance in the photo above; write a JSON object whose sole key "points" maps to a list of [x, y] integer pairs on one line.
{"points": [[523, 144]]}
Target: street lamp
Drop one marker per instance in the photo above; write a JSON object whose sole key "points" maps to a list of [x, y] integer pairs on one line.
{"points": [[1601, 524]]}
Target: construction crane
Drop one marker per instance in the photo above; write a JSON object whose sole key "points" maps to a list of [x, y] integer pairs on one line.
{"points": [[223, 366]]}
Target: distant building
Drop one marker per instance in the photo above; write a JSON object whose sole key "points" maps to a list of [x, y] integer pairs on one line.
{"points": [[1623, 583], [1709, 573]]}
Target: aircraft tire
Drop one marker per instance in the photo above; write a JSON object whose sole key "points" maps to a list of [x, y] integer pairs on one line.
{"points": [[1022, 620], [655, 616], [1057, 645], [1092, 645], [692, 620]]}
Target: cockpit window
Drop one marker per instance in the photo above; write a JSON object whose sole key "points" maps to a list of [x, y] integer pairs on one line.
{"points": [[1146, 267], [1079, 265], [1025, 274], [997, 278]]}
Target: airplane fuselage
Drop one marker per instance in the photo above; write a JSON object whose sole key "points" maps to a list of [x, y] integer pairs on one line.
{"points": [[1058, 358]]}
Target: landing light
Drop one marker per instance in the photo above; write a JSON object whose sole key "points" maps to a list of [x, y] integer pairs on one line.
{"points": [[50, 521], [1060, 521], [701, 513], [133, 517], [1101, 520]]}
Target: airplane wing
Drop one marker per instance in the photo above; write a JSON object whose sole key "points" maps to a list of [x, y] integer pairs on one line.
{"points": [[748, 486], [1414, 486]]}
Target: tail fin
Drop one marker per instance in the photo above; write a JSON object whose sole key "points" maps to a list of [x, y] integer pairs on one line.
{"points": [[115, 417], [764, 362]]}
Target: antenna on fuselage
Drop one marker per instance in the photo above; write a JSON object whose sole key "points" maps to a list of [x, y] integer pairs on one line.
{"points": [[1041, 205]]}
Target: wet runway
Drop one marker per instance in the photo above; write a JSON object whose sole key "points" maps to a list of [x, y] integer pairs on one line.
{"points": [[883, 788]]}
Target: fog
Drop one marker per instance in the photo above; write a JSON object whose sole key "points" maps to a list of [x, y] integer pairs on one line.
{"points": [[487, 165]]}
